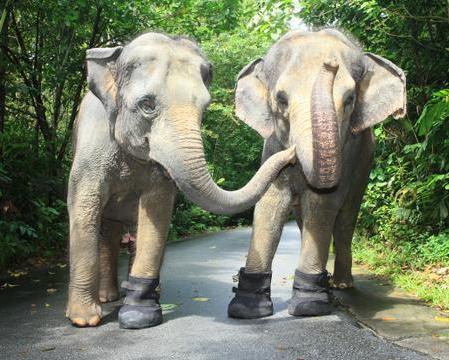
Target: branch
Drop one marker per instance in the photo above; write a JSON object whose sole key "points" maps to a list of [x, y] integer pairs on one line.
{"points": [[79, 89], [35, 84]]}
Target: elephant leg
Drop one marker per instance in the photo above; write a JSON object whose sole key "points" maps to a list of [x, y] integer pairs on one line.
{"points": [[316, 234], [253, 298], [346, 222], [109, 250], [85, 207], [310, 295], [343, 231], [141, 307], [270, 215], [297, 213]]}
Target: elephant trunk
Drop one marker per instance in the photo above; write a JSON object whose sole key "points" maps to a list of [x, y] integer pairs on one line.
{"points": [[182, 155], [325, 133]]}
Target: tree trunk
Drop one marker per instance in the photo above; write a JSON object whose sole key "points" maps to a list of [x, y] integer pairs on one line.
{"points": [[3, 74]]}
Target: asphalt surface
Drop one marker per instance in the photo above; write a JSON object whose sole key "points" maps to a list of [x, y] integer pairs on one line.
{"points": [[197, 278]]}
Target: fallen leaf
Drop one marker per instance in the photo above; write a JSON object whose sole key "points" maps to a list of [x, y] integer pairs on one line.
{"points": [[167, 307], [17, 273], [389, 318], [47, 305], [48, 348], [442, 319], [51, 290], [8, 285], [200, 299]]}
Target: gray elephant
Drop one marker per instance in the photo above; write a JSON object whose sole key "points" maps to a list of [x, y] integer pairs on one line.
{"points": [[137, 140], [320, 92]]}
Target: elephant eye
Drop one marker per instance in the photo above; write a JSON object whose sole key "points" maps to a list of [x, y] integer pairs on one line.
{"points": [[349, 100], [281, 98], [148, 104]]}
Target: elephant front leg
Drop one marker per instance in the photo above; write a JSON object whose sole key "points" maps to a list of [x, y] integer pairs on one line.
{"points": [[253, 295], [310, 296], [141, 307], [109, 250], [83, 307]]}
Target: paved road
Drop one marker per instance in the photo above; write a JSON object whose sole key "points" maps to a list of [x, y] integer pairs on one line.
{"points": [[30, 329]]}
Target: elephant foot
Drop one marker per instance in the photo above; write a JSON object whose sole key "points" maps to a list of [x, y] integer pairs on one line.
{"points": [[83, 315], [141, 308], [108, 294], [252, 296], [310, 295], [341, 282]]}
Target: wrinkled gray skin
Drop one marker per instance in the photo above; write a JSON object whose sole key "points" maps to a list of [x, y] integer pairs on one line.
{"points": [[320, 92], [138, 140]]}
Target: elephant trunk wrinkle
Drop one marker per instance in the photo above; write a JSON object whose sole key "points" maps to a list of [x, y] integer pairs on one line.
{"points": [[326, 145]]}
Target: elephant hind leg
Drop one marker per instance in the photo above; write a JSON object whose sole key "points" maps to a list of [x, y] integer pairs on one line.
{"points": [[343, 231], [109, 250], [347, 218], [297, 214]]}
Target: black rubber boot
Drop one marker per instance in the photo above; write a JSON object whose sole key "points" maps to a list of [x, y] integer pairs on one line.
{"points": [[310, 295], [141, 308], [252, 297]]}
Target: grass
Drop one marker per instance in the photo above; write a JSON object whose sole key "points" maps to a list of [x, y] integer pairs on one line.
{"points": [[404, 267]]}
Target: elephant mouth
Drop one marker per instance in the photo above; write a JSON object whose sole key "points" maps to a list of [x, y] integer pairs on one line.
{"points": [[164, 172]]}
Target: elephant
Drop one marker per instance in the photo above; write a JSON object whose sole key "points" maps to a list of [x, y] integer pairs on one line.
{"points": [[319, 91], [137, 140]]}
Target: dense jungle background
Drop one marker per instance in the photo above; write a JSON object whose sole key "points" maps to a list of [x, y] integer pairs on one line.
{"points": [[403, 228]]}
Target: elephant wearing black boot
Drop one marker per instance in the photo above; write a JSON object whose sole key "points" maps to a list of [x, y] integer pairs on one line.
{"points": [[141, 308], [310, 296], [252, 296], [318, 91], [137, 142]]}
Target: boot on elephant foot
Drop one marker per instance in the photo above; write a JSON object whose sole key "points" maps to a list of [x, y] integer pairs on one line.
{"points": [[310, 295], [83, 314], [141, 308], [252, 296]]}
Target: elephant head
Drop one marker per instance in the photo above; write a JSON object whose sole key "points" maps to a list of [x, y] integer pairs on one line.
{"points": [[311, 90], [155, 90]]}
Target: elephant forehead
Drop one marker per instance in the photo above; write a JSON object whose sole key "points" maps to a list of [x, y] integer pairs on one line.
{"points": [[152, 51], [141, 63]]}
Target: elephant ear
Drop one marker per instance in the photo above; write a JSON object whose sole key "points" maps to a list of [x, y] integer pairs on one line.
{"points": [[101, 74], [251, 99], [382, 92]]}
